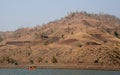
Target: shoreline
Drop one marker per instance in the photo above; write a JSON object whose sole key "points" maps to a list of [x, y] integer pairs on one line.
{"points": [[72, 66]]}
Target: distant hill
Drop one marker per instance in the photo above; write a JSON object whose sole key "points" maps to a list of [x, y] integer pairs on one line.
{"points": [[78, 38]]}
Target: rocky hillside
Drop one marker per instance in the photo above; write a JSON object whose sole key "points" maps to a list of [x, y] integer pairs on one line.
{"points": [[78, 38]]}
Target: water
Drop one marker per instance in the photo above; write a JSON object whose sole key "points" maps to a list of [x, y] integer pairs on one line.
{"points": [[56, 72]]}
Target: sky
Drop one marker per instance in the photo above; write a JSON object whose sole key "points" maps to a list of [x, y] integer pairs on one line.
{"points": [[16, 14]]}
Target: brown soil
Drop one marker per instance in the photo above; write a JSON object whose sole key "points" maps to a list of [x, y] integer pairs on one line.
{"points": [[80, 40]]}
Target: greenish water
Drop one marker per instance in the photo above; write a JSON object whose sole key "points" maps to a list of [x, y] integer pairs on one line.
{"points": [[56, 72]]}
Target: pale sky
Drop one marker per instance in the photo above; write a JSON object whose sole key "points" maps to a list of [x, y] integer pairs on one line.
{"points": [[28, 13]]}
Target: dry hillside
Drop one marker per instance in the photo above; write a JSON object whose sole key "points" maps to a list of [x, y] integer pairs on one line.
{"points": [[79, 38]]}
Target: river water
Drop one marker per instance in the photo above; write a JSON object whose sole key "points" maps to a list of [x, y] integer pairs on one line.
{"points": [[56, 72]]}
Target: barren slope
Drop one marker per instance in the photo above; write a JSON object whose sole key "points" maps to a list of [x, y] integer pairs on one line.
{"points": [[79, 38]]}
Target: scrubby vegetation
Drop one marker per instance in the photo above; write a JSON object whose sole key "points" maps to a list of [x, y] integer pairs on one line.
{"points": [[31, 61], [116, 34], [78, 38], [54, 60], [1, 39], [39, 59], [8, 60]]}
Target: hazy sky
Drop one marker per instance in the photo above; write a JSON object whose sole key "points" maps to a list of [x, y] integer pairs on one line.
{"points": [[26, 13]]}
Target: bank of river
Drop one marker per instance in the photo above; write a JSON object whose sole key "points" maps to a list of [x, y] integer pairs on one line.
{"points": [[66, 66]]}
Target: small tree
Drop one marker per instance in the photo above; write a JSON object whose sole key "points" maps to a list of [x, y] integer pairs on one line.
{"points": [[1, 39], [116, 34], [54, 60], [1, 61], [31, 61], [39, 59], [62, 36], [71, 33], [68, 29], [96, 61]]}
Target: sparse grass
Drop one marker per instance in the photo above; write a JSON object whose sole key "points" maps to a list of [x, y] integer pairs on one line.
{"points": [[68, 33], [37, 36], [46, 43], [71, 33]]}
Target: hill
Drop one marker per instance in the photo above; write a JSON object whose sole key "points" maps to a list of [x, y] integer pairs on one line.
{"points": [[78, 40]]}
